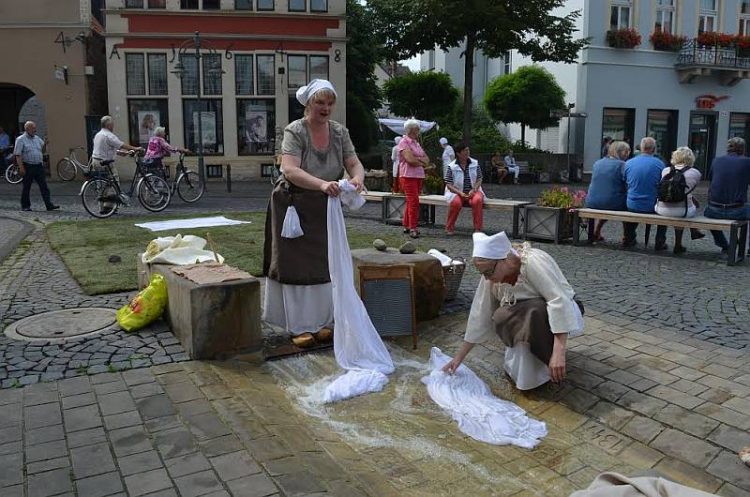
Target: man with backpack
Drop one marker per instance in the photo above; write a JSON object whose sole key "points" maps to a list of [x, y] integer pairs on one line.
{"points": [[642, 174], [727, 193]]}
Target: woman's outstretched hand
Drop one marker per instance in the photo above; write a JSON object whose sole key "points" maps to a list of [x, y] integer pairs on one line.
{"points": [[452, 366]]}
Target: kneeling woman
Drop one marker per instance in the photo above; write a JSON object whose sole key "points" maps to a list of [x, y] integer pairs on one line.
{"points": [[525, 299]]}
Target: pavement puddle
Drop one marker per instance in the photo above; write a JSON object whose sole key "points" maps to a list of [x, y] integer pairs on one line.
{"points": [[406, 435]]}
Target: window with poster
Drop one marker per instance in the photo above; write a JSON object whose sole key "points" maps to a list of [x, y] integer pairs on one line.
{"points": [[619, 124], [256, 121], [210, 114], [661, 125], [144, 116]]}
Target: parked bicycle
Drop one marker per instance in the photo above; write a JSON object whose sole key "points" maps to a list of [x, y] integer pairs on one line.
{"points": [[68, 167], [102, 196], [12, 172], [186, 183]]}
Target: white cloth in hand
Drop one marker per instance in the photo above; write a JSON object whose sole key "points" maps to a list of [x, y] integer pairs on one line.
{"points": [[349, 195]]}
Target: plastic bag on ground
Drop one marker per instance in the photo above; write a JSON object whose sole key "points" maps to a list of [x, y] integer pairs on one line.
{"points": [[478, 413], [291, 227], [146, 307]]}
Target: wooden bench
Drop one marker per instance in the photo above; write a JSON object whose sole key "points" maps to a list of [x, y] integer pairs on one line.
{"points": [[737, 229], [525, 175], [394, 204]]}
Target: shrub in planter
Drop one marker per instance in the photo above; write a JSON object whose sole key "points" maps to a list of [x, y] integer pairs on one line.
{"points": [[551, 218], [665, 41], [713, 39], [623, 38]]}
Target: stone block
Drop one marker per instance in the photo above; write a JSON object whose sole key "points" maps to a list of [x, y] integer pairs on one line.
{"points": [[429, 284], [214, 310]]}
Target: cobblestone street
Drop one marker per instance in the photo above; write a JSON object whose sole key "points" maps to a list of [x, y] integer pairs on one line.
{"points": [[658, 384]]}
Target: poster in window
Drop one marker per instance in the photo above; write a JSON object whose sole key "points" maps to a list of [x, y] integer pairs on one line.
{"points": [[148, 121], [208, 125], [256, 129]]}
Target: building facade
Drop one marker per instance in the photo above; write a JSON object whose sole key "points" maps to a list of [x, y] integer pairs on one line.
{"points": [[254, 55], [698, 96]]}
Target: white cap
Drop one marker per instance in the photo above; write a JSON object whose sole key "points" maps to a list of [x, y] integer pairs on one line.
{"points": [[491, 247], [305, 93], [443, 141]]}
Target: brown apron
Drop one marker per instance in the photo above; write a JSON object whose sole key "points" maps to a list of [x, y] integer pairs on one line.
{"points": [[302, 260], [526, 321]]}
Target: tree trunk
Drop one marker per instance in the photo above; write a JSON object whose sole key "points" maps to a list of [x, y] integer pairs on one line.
{"points": [[523, 133], [468, 85]]}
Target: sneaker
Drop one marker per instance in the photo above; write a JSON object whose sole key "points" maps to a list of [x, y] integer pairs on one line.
{"points": [[52, 207]]}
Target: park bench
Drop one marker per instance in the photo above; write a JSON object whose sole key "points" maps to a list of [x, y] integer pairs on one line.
{"points": [[737, 229], [394, 204], [525, 175]]}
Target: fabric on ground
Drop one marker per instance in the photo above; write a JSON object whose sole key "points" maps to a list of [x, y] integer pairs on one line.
{"points": [[198, 222], [356, 343], [179, 250], [478, 413], [445, 260], [617, 485]]}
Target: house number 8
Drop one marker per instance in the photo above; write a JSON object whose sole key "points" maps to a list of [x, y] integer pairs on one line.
{"points": [[337, 55]]}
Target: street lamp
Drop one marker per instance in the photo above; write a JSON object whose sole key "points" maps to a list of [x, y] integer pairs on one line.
{"points": [[195, 43], [570, 114]]}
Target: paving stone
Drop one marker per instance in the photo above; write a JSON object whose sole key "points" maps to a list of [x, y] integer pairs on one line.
{"points": [[235, 465], [11, 466], [187, 464], [42, 415], [139, 463], [610, 414], [730, 438], [80, 400], [147, 482], [92, 460], [41, 435], [100, 485], [48, 450], [198, 484], [42, 466], [117, 385], [207, 426], [641, 403], [131, 440], [182, 392], [685, 447], [116, 403], [155, 407], [145, 390], [50, 483], [192, 408], [174, 442], [253, 486], [675, 397], [82, 418], [221, 445], [86, 437], [728, 467], [687, 421], [122, 420]]}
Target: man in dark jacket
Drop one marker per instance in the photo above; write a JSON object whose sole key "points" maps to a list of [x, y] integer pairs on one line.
{"points": [[727, 193]]}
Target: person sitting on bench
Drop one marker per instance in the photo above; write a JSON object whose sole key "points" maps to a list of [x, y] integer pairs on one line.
{"points": [[510, 163]]}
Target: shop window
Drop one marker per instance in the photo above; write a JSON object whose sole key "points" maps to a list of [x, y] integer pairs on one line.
{"points": [[189, 78], [243, 74], [318, 67], [211, 73], [157, 74], [266, 79], [211, 123], [296, 71], [256, 119], [135, 77], [661, 125], [619, 124], [144, 116]]}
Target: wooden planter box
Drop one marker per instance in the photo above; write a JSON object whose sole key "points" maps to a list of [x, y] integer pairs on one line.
{"points": [[547, 223]]}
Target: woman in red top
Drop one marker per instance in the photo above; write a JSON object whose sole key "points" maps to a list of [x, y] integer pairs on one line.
{"points": [[412, 163]]}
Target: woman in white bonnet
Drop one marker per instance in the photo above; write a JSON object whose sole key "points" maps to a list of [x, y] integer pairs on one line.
{"points": [[525, 299], [315, 152]]}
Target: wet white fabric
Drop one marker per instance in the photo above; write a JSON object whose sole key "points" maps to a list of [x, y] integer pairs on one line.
{"points": [[356, 343], [198, 222], [349, 196], [478, 413], [179, 250], [444, 259], [291, 227]]}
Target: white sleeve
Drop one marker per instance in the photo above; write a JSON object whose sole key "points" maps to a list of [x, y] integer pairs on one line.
{"points": [[115, 142], [480, 326], [543, 273]]}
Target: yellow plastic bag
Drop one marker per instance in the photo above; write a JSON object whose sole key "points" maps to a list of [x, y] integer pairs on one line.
{"points": [[146, 307]]}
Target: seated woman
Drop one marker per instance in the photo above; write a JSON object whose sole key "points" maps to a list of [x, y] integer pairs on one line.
{"points": [[499, 164], [682, 160], [525, 299], [463, 188], [608, 190], [158, 148]]}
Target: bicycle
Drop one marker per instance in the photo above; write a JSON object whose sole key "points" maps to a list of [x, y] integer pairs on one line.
{"points": [[12, 172], [67, 167], [102, 196], [186, 183]]}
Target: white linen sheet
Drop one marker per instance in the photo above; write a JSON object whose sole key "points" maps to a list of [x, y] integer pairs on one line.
{"points": [[196, 222]]}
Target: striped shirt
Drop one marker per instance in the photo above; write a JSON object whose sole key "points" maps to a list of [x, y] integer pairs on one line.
{"points": [[467, 178], [29, 148]]}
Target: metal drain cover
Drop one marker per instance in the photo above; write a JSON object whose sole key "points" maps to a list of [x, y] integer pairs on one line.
{"points": [[62, 325]]}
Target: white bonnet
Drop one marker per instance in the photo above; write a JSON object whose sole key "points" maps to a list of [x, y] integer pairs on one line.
{"points": [[305, 93], [491, 247]]}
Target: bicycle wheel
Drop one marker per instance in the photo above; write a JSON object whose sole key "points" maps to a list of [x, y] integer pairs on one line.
{"points": [[189, 187], [99, 198], [66, 169], [153, 193], [12, 175]]}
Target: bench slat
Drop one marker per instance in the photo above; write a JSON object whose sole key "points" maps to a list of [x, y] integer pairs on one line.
{"points": [[679, 222]]}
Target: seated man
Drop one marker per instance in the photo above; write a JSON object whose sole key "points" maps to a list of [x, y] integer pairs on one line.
{"points": [[727, 193], [498, 164], [510, 163], [463, 188], [533, 315], [643, 174]]}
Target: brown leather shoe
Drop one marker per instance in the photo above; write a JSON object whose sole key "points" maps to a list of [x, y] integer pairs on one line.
{"points": [[325, 335], [304, 340]]}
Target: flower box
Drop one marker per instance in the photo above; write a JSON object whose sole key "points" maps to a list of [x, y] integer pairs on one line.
{"points": [[667, 42], [547, 223], [623, 38]]}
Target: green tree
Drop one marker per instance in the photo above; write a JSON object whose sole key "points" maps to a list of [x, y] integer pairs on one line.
{"points": [[410, 27], [363, 95], [526, 97], [426, 95]]}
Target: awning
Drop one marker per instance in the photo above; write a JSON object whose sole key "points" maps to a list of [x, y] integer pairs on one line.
{"points": [[397, 125]]}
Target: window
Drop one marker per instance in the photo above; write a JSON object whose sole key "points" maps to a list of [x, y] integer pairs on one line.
{"points": [[265, 5], [430, 60], [318, 5], [256, 120], [661, 125], [135, 82], [507, 63], [210, 125], [157, 4], [243, 74], [297, 5], [665, 14], [296, 71], [211, 74], [189, 4], [211, 4], [619, 124], [144, 115], [157, 74], [318, 67], [744, 18], [189, 76], [708, 17], [243, 4], [266, 80], [739, 125], [619, 17], [133, 4]]}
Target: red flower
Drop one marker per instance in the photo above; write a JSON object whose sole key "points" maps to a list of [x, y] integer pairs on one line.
{"points": [[623, 38], [663, 40]]}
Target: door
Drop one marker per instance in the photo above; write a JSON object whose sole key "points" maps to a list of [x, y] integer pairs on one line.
{"points": [[702, 140]]}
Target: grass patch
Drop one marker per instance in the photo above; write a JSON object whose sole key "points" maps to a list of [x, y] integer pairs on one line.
{"points": [[86, 246]]}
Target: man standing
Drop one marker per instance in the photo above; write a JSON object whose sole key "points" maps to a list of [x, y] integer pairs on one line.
{"points": [[727, 193], [510, 165], [107, 145], [642, 174], [449, 155], [30, 158]]}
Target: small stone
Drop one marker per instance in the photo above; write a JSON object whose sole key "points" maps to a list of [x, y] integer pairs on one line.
{"points": [[745, 455], [379, 244], [114, 259], [407, 248]]}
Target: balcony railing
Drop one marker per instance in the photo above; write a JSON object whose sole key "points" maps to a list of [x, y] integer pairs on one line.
{"points": [[694, 54]]}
